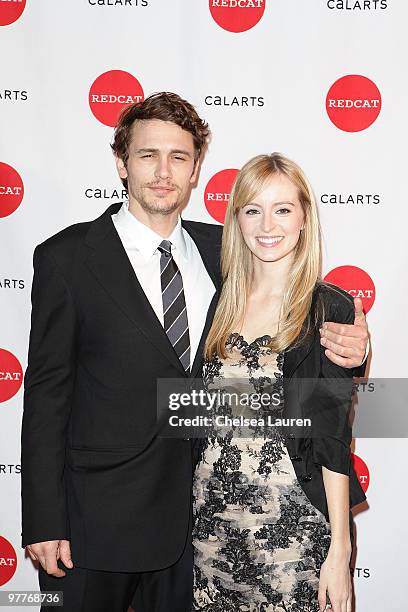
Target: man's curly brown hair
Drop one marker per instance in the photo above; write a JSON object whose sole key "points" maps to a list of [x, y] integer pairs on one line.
{"points": [[165, 106]]}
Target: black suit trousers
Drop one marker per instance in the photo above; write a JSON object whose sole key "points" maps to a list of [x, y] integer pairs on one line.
{"points": [[87, 590]]}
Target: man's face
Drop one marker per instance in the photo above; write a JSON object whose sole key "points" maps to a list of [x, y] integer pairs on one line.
{"points": [[161, 166]]}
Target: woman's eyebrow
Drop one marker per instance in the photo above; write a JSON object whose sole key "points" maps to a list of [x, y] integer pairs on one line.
{"points": [[274, 204]]}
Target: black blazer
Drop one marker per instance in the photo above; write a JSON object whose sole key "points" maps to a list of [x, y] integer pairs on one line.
{"points": [[317, 388], [93, 468]]}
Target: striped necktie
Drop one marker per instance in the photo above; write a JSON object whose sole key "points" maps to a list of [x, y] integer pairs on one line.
{"points": [[174, 305]]}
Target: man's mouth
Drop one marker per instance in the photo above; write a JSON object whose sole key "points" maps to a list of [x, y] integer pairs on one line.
{"points": [[161, 188]]}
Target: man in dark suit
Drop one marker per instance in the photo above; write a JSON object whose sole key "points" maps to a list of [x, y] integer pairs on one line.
{"points": [[118, 303]]}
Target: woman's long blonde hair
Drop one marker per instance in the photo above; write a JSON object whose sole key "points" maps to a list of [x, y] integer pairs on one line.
{"points": [[237, 266]]}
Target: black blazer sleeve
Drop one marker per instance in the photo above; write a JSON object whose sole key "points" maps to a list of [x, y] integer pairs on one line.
{"points": [[360, 370], [47, 398], [331, 428]]}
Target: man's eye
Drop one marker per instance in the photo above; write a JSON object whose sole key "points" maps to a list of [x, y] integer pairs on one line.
{"points": [[147, 156], [180, 158]]}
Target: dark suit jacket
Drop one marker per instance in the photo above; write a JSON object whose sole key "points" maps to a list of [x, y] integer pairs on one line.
{"points": [[316, 388], [93, 469]]}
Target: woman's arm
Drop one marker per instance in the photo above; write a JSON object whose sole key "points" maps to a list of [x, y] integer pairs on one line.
{"points": [[332, 450], [335, 571], [337, 494]]}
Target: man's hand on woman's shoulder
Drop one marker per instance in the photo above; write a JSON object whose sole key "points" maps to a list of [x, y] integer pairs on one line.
{"points": [[346, 343]]}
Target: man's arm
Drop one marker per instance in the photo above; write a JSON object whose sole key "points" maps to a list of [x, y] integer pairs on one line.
{"points": [[47, 404], [347, 344]]}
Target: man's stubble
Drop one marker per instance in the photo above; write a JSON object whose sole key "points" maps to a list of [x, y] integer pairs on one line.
{"points": [[157, 206]]}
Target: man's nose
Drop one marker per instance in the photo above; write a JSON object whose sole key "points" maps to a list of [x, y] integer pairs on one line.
{"points": [[163, 169]]}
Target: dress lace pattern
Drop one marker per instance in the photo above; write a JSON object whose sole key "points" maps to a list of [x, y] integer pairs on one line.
{"points": [[258, 541]]}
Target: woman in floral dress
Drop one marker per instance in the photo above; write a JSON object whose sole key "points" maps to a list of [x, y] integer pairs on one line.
{"points": [[260, 543]]}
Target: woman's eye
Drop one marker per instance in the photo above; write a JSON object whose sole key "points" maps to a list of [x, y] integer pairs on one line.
{"points": [[251, 211], [283, 210]]}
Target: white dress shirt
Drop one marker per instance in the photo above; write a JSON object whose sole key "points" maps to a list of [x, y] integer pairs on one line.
{"points": [[140, 243]]}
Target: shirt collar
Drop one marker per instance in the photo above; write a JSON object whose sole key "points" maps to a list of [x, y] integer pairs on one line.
{"points": [[137, 235]]}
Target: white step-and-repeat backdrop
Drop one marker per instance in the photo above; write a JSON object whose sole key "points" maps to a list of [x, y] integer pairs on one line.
{"points": [[322, 81]]}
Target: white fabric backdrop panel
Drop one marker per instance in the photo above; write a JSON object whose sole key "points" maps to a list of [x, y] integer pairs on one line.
{"points": [[261, 89]]}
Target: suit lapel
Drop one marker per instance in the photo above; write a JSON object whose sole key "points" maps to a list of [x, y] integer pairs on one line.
{"points": [[109, 263]]}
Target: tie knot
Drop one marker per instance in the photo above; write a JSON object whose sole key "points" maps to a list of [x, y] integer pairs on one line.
{"points": [[165, 247]]}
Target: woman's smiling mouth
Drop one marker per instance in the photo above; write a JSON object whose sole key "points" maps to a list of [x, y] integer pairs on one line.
{"points": [[269, 241]]}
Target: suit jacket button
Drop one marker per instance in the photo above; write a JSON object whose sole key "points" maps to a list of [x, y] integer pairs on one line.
{"points": [[306, 478]]}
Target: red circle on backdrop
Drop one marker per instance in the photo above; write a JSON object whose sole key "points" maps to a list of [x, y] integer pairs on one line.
{"points": [[362, 472], [237, 15], [8, 561], [353, 103], [356, 282], [11, 190], [11, 375], [111, 92], [217, 192], [11, 11]]}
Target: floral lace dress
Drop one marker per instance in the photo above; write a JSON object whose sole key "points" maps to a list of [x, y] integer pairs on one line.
{"points": [[258, 541]]}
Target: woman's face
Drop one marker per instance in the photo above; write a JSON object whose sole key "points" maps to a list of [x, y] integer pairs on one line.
{"points": [[272, 221]]}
